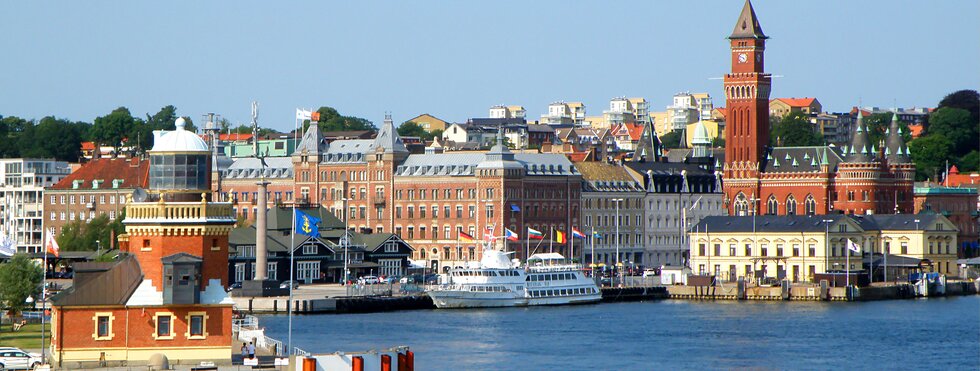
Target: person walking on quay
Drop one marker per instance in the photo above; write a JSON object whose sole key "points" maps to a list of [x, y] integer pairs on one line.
{"points": [[244, 350], [251, 350]]}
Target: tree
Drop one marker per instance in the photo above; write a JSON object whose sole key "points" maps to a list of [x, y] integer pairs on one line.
{"points": [[673, 139], [331, 120], [11, 128], [929, 154], [968, 100], [436, 134], [412, 129], [957, 126], [969, 162], [99, 232], [794, 130], [113, 128], [19, 278]]}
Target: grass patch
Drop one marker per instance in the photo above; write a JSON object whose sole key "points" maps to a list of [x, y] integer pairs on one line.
{"points": [[28, 337]]}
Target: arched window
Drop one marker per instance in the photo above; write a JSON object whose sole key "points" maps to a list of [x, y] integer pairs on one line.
{"points": [[772, 206], [741, 204], [810, 205], [791, 205]]}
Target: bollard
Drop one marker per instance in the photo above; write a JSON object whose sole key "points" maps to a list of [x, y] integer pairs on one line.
{"points": [[402, 360], [385, 362], [357, 363], [309, 364], [409, 360]]}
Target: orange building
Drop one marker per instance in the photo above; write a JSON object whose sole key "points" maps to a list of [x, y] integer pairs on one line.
{"points": [[166, 293]]}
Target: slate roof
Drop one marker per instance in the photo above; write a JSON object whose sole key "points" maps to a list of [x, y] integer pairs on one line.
{"points": [[800, 159], [464, 164], [101, 283], [388, 139], [312, 142], [599, 176], [537, 128], [747, 26], [766, 223], [134, 173], [251, 168], [898, 222]]}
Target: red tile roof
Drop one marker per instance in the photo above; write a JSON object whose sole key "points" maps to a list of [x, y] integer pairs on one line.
{"points": [[633, 130], [234, 136], [88, 146], [723, 111], [797, 102], [133, 172], [916, 130]]}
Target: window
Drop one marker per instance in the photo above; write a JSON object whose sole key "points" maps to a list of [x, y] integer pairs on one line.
{"points": [[472, 210], [731, 250], [435, 211], [459, 211], [392, 246], [421, 232], [447, 236], [811, 205], [422, 212], [812, 250], [270, 269], [764, 250], [717, 249], [411, 212], [779, 249], [164, 326], [796, 249], [791, 205], [748, 250], [490, 211], [398, 212], [197, 325], [446, 210], [103, 326], [905, 248]]}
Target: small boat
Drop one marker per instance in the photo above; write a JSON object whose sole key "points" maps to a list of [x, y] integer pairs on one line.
{"points": [[497, 281]]}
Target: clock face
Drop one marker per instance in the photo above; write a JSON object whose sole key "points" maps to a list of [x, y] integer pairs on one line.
{"points": [[742, 58]]}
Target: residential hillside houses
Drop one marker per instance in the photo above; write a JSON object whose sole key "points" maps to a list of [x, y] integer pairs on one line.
{"points": [[99, 187], [22, 192], [429, 123], [780, 107]]}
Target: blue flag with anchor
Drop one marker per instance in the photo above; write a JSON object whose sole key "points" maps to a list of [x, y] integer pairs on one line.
{"points": [[307, 224]]}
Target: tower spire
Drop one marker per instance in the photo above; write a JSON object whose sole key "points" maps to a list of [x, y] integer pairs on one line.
{"points": [[747, 26]]}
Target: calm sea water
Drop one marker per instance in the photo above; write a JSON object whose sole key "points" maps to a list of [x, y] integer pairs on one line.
{"points": [[933, 334]]}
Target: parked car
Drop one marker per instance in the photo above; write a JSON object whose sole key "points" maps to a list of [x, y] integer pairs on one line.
{"points": [[368, 280], [287, 284], [391, 279], [17, 359]]}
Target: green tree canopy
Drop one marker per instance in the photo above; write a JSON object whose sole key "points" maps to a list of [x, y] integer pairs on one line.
{"points": [[673, 139], [19, 278], [969, 162], [957, 126], [331, 120], [794, 130], [964, 99], [929, 153], [113, 128], [88, 236], [412, 129]]}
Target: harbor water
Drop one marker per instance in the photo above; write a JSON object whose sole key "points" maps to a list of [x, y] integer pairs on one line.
{"points": [[925, 334]]}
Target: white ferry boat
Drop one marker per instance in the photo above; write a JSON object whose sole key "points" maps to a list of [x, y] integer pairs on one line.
{"points": [[500, 282]]}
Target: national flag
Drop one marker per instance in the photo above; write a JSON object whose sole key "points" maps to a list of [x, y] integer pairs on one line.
{"points": [[7, 246], [466, 237], [488, 234], [534, 234], [559, 237], [307, 224], [302, 114], [510, 235], [514, 208], [851, 245], [315, 116], [51, 245], [577, 233]]}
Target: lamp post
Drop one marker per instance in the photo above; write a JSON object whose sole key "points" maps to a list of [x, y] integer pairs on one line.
{"points": [[619, 270], [345, 241], [826, 243]]}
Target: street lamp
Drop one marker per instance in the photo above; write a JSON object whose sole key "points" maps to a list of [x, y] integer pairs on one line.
{"points": [[345, 241], [618, 268]]}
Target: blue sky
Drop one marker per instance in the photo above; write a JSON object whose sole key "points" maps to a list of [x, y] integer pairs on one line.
{"points": [[454, 60]]}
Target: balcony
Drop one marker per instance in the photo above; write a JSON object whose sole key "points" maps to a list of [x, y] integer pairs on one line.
{"points": [[179, 212], [379, 202]]}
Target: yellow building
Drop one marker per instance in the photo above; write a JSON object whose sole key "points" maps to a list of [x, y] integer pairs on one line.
{"points": [[429, 122], [709, 125], [797, 247], [661, 122]]}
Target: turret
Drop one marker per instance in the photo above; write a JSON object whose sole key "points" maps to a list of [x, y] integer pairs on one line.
{"points": [[179, 165], [860, 149], [895, 149]]}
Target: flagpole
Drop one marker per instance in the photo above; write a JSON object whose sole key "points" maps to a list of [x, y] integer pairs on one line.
{"points": [[292, 242], [847, 268], [527, 251], [571, 248], [551, 240], [44, 289]]}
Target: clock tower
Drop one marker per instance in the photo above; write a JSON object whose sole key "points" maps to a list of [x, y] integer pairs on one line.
{"points": [[747, 121]]}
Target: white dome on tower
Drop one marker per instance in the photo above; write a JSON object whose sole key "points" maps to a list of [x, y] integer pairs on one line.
{"points": [[701, 135], [179, 140]]}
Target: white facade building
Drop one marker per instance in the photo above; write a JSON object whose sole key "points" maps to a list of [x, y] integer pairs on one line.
{"points": [[22, 183]]}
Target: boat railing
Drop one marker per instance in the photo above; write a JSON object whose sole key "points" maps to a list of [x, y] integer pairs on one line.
{"points": [[554, 268]]}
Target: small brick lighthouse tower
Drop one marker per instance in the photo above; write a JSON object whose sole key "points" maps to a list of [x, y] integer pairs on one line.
{"points": [[166, 294]]}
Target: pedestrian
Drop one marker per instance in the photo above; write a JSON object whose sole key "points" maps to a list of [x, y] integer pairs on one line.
{"points": [[244, 350], [251, 350]]}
